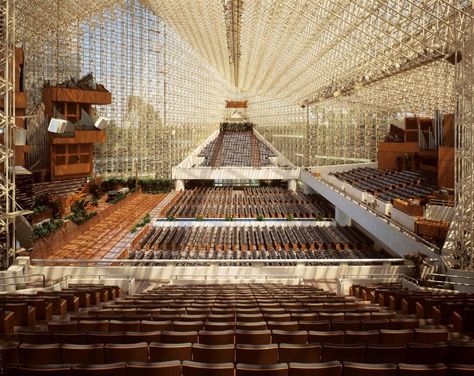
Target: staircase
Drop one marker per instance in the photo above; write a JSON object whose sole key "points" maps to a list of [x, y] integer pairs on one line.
{"points": [[216, 159], [159, 209], [255, 152]]}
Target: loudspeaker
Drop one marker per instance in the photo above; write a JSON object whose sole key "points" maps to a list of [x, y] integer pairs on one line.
{"points": [[101, 122], [57, 125]]}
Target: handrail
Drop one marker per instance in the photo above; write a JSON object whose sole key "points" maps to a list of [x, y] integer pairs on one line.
{"points": [[390, 221], [266, 277], [189, 262], [43, 277], [451, 276], [380, 276]]}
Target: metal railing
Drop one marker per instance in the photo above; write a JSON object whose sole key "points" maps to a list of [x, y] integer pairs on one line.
{"points": [[224, 262], [237, 277], [383, 217], [43, 279]]}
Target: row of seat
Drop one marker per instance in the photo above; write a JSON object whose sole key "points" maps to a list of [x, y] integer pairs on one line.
{"points": [[51, 353], [192, 368], [255, 336], [271, 202]]}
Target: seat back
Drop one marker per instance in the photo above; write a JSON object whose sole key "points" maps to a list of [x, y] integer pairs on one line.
{"points": [[163, 352], [133, 352], [256, 354]]}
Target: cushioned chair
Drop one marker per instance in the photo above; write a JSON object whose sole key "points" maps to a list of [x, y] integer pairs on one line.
{"points": [[179, 337], [315, 369], [256, 354], [340, 352], [132, 352], [336, 336], [430, 335], [345, 325], [362, 336], [152, 325], [461, 352], [213, 353], [461, 369], [253, 337], [396, 336], [191, 368], [71, 353], [93, 325], [404, 323], [283, 325], [219, 325], [133, 337], [419, 353], [39, 354], [309, 353], [43, 369], [211, 337], [187, 326], [102, 337], [111, 369], [280, 369], [124, 326], [253, 325], [172, 368], [62, 326], [438, 369], [294, 336], [386, 354], [163, 352], [365, 369], [314, 325], [374, 324], [79, 338], [38, 338]]}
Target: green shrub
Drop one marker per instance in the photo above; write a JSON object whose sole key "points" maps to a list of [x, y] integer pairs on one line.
{"points": [[289, 217], [229, 217], [46, 227], [79, 214], [199, 217], [145, 220], [171, 218], [260, 217]]}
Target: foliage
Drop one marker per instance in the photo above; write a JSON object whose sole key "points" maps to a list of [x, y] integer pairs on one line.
{"points": [[147, 185], [171, 218], [79, 214], [229, 217], [145, 220], [115, 197], [199, 217], [289, 217], [46, 227], [42, 203], [260, 217]]}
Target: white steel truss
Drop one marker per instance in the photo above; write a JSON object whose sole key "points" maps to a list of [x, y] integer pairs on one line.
{"points": [[8, 210]]}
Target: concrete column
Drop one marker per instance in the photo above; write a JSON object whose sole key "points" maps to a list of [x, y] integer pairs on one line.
{"points": [[307, 189], [179, 185], [342, 218], [292, 184]]}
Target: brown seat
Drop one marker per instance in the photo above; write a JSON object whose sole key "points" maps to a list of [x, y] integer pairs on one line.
{"points": [[25, 315], [151, 326], [124, 326], [281, 317], [249, 317], [340, 352], [419, 353], [187, 326], [364, 369], [171, 368], [179, 337], [222, 337], [9, 353], [163, 352], [280, 369], [112, 369], [362, 336], [136, 352], [374, 324], [101, 337], [256, 354], [255, 325], [461, 352], [42, 369], [38, 338], [396, 336], [71, 353], [293, 336], [308, 353], [386, 354], [148, 337], [192, 368], [39, 354], [78, 338], [331, 316], [430, 335], [62, 326], [95, 325], [404, 323], [230, 317], [219, 325], [253, 337], [213, 353], [193, 317], [345, 325], [336, 336], [317, 325], [315, 369], [438, 369], [286, 325], [461, 369]]}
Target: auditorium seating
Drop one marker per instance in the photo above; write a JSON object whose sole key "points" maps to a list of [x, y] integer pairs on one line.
{"points": [[236, 148], [246, 243], [264, 333], [249, 202], [387, 185]]}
